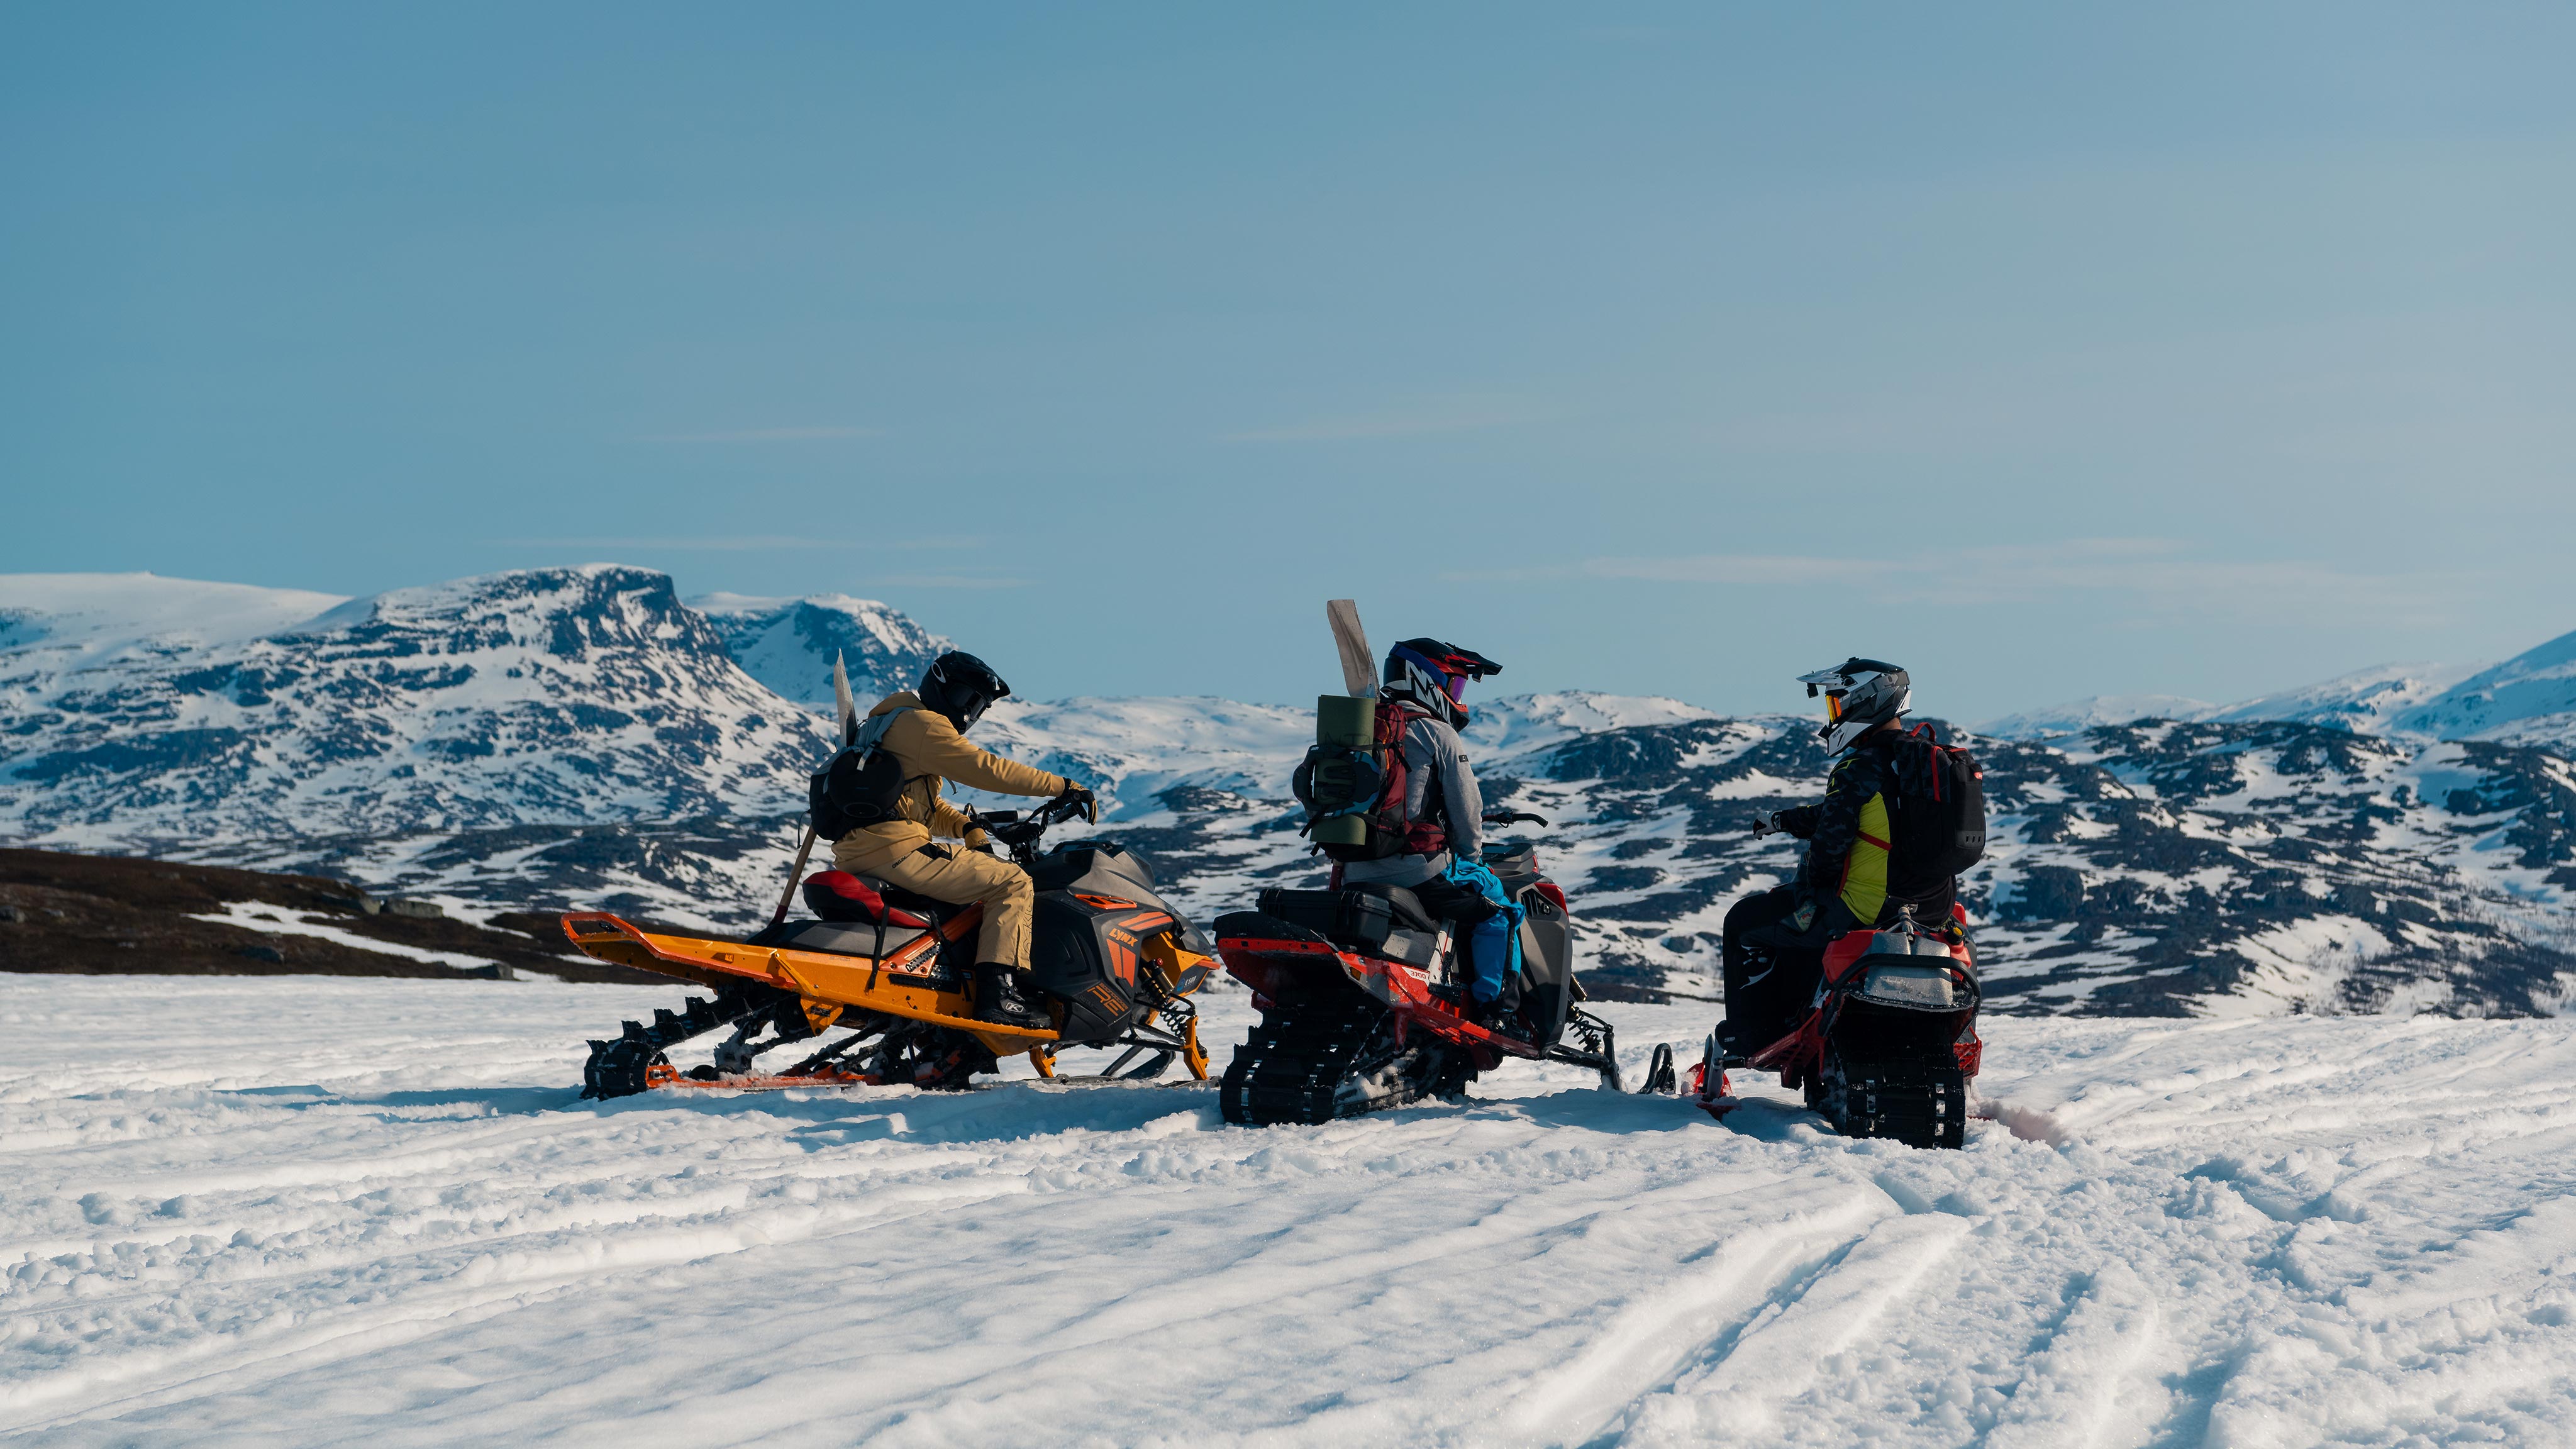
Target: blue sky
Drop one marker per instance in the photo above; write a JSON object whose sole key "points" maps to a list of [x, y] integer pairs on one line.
{"points": [[2047, 350]]}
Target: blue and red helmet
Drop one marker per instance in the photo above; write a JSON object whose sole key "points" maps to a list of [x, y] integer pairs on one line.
{"points": [[1434, 676]]}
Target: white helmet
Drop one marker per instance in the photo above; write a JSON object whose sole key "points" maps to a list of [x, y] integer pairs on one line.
{"points": [[1860, 695]]}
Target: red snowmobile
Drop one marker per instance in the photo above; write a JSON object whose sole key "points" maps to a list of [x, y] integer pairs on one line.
{"points": [[1363, 997], [1890, 1043]]}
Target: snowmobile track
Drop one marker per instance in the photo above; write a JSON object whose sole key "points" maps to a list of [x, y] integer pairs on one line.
{"points": [[1919, 1103], [1327, 1055], [617, 1068]]}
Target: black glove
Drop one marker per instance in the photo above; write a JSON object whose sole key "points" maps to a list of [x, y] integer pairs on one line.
{"points": [[1080, 802], [1798, 821]]}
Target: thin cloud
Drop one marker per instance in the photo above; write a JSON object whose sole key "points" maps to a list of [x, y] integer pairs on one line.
{"points": [[1461, 416], [948, 581], [2158, 572], [764, 435], [742, 544]]}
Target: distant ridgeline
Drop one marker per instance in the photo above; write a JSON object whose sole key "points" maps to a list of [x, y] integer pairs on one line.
{"points": [[582, 736]]}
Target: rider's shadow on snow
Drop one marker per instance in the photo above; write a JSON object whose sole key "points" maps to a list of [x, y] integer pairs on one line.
{"points": [[1586, 1107], [1004, 1112], [1763, 1119]]}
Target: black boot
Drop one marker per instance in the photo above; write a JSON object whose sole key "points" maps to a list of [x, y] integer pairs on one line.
{"points": [[998, 999]]}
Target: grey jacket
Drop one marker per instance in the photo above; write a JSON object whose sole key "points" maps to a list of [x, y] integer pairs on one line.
{"points": [[1434, 758]]}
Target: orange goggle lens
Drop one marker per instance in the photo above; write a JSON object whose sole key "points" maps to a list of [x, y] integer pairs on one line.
{"points": [[1833, 709]]}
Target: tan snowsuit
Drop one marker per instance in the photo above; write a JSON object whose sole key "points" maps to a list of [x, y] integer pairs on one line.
{"points": [[900, 851]]}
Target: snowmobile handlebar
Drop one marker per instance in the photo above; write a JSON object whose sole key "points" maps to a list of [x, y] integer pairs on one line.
{"points": [[1513, 817], [1021, 831]]}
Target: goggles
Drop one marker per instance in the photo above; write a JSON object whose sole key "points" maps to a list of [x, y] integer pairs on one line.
{"points": [[1834, 707], [1457, 689]]}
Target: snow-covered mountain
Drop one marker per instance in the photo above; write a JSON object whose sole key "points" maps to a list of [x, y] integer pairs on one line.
{"points": [[2366, 701], [788, 644], [1134, 750], [563, 695], [580, 737], [2528, 699], [58, 624], [2093, 711]]}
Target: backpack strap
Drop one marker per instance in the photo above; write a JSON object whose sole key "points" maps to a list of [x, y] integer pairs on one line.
{"points": [[873, 733]]}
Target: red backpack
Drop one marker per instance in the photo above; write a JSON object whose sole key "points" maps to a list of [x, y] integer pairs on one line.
{"points": [[1370, 784]]}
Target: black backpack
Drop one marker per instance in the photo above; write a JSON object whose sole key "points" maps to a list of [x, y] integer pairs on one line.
{"points": [[1940, 823], [861, 784]]}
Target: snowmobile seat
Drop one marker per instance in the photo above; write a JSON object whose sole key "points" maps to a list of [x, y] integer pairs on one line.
{"points": [[922, 908], [842, 898], [839, 938]]}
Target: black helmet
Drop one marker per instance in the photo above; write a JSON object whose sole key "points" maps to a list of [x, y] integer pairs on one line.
{"points": [[1860, 695], [1434, 676], [961, 687]]}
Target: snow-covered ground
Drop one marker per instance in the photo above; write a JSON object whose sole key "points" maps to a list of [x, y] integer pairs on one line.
{"points": [[326, 1211]]}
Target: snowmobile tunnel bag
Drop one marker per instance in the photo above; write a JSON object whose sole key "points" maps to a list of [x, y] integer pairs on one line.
{"points": [[1386, 920]]}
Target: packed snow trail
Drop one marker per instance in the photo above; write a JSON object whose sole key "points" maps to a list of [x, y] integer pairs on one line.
{"points": [[329, 1211]]}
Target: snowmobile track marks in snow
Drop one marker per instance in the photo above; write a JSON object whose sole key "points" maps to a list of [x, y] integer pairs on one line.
{"points": [[1709, 1295], [2071, 1391], [1737, 1395]]}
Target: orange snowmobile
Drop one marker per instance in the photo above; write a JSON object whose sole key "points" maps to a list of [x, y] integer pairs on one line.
{"points": [[1115, 961]]}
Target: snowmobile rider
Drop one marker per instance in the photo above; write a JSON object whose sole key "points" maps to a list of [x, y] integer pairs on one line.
{"points": [[1444, 813], [929, 742], [1773, 943]]}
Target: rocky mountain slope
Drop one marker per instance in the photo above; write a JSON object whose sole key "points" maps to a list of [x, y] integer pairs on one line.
{"points": [[580, 737], [563, 695], [85, 915]]}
